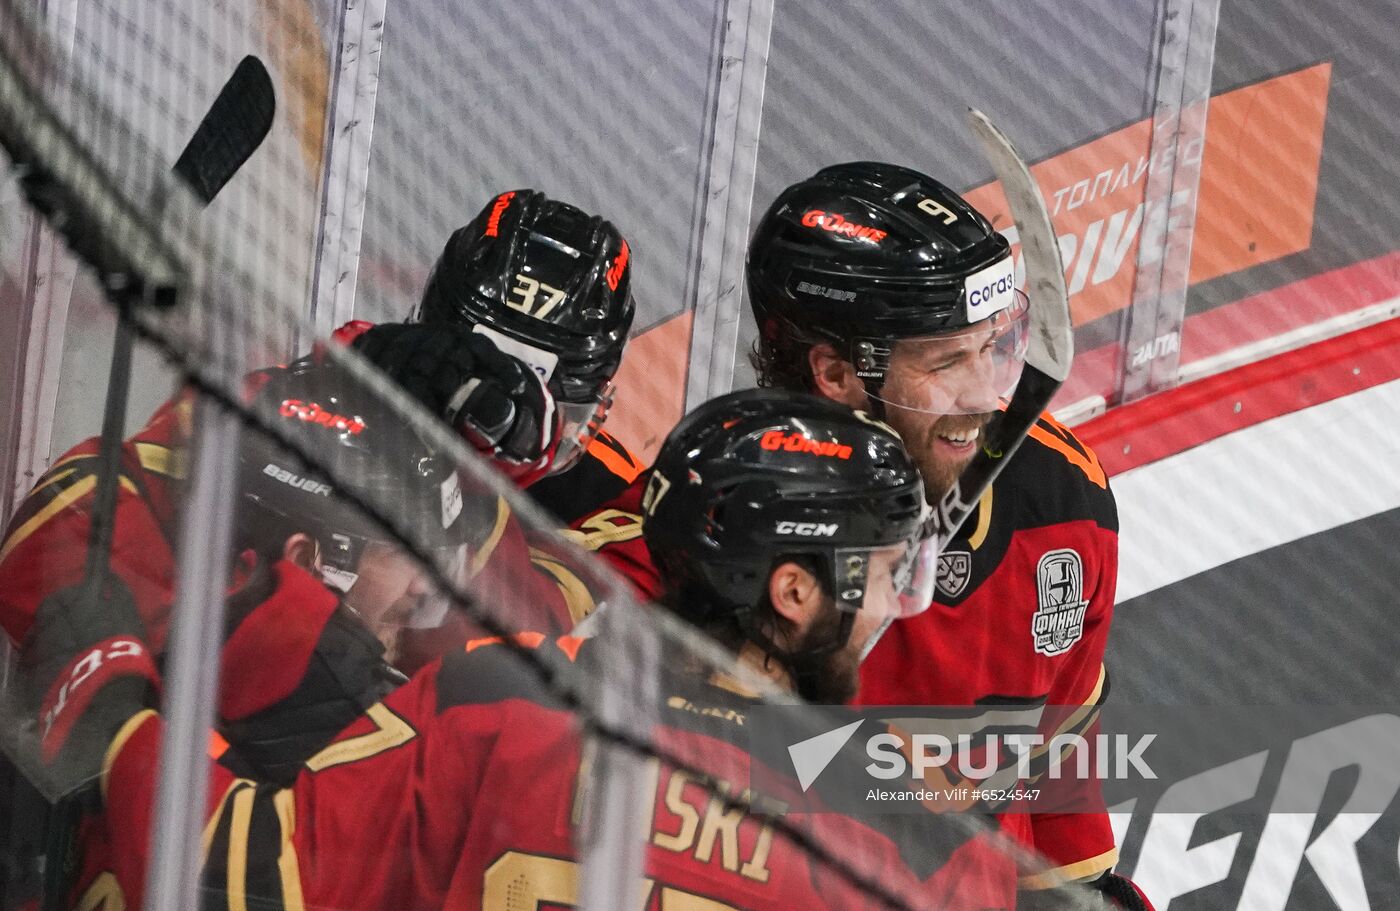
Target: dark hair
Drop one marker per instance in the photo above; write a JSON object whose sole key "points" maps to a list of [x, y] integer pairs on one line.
{"points": [[732, 629], [780, 358]]}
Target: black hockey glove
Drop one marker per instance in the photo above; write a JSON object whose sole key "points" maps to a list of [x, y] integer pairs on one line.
{"points": [[89, 671], [283, 619], [1121, 893], [499, 405]]}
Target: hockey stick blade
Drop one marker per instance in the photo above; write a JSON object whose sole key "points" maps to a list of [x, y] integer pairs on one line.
{"points": [[231, 132], [1051, 349], [1052, 334]]}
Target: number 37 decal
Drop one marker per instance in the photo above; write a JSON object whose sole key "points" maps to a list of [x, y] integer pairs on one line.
{"points": [[525, 293]]}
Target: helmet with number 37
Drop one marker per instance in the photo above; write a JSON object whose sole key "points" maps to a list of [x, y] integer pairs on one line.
{"points": [[551, 285]]}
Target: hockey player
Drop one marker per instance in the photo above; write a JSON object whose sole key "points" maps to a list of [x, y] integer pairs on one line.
{"points": [[458, 789], [877, 286], [550, 285], [306, 558], [536, 278]]}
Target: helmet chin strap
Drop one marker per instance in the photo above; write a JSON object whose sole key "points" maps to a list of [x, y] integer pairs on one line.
{"points": [[874, 406]]}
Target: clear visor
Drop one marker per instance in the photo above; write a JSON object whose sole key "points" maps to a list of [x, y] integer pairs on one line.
{"points": [[581, 421], [969, 371], [915, 576]]}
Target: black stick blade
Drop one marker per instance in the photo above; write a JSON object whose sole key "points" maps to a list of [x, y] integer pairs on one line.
{"points": [[231, 132]]}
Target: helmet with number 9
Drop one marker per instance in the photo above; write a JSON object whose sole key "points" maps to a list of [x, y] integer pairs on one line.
{"points": [[880, 260], [551, 285]]}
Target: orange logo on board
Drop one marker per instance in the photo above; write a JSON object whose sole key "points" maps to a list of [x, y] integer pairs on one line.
{"points": [[775, 440], [1254, 202]]}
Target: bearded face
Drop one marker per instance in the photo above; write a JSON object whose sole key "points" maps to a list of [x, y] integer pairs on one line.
{"points": [[941, 444], [940, 393]]}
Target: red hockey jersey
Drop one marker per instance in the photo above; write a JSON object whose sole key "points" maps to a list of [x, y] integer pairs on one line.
{"points": [[600, 476], [1021, 616], [461, 789]]}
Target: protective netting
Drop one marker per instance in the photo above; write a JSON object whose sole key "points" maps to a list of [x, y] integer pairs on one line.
{"points": [[1256, 571], [532, 769]]}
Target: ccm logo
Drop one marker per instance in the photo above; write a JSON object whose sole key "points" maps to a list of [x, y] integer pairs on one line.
{"points": [[837, 224], [985, 294], [315, 414], [295, 480], [774, 440], [807, 529]]}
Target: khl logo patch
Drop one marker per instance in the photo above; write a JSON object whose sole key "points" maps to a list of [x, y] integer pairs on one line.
{"points": [[1059, 621], [954, 569]]}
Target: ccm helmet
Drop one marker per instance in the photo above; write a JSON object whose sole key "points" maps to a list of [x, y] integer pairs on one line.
{"points": [[348, 449], [755, 476], [865, 255], [551, 285]]}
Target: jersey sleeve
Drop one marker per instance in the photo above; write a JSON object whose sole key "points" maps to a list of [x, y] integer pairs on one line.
{"points": [[1074, 836], [44, 547], [600, 476], [405, 774], [614, 533]]}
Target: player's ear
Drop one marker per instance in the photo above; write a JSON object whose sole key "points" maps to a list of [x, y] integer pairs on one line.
{"points": [[796, 596], [835, 377], [302, 550]]}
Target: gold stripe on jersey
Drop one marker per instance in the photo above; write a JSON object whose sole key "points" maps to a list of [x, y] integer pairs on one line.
{"points": [[212, 825], [56, 505], [161, 460], [577, 597], [115, 747], [60, 502], [608, 526], [1078, 871], [392, 731], [69, 460], [984, 520], [285, 804], [105, 894], [53, 477], [240, 822], [483, 555], [1076, 723]]}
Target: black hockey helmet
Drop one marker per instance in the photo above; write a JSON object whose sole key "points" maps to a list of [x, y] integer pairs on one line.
{"points": [[866, 254], [551, 285], [357, 450], [752, 477]]}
